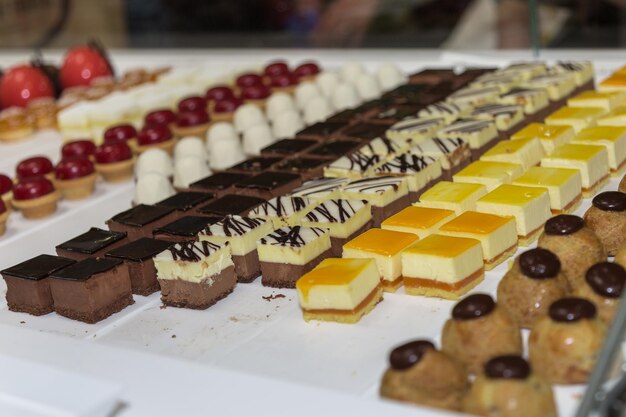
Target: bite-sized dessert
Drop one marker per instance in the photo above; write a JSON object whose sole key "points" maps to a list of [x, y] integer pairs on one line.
{"points": [[283, 210], [231, 204], [185, 228], [138, 256], [160, 117], [288, 147], [190, 146], [576, 245], [576, 117], [491, 174], [613, 138], [564, 186], [316, 110], [75, 178], [364, 132], [615, 82], [35, 197], [306, 168], [114, 162], [455, 266], [28, 284], [475, 96], [37, 166], [92, 289], [287, 124], [185, 202], [529, 205], [418, 373], [43, 111], [480, 134], [389, 114], [616, 117], [223, 110], [607, 218], [81, 148], [387, 195], [153, 161], [551, 137], [285, 83], [93, 243], [6, 190], [383, 147], [333, 149], [507, 117], [255, 165], [290, 252], [605, 283], [268, 184], [15, 124], [320, 189], [606, 100], [307, 71], [220, 184], [140, 220], [385, 247], [188, 170], [508, 387], [497, 234], [192, 103], [454, 154], [558, 86], [421, 172], [534, 101], [445, 110], [195, 274], [151, 188], [526, 152], [455, 196], [478, 331], [156, 137], [532, 284], [248, 79], [582, 71], [320, 131], [218, 93], [354, 165], [422, 221], [564, 345], [344, 96], [256, 94], [415, 129], [340, 290], [121, 133]]}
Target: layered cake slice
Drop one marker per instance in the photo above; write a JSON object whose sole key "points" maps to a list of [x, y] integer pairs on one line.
{"points": [[195, 274], [590, 160], [489, 173], [613, 138], [558, 86], [576, 117], [455, 196], [526, 152], [530, 206], [92, 289], [480, 134], [340, 290], [442, 266], [551, 137], [344, 220], [582, 71], [605, 100], [564, 187], [497, 234], [242, 233], [384, 246], [184, 229], [290, 252], [474, 96], [93, 243], [231, 204], [421, 171], [616, 117], [355, 165], [454, 154], [507, 117], [445, 110], [185, 202], [422, 221], [384, 147], [283, 211], [534, 101], [141, 220], [387, 195], [268, 184], [321, 189], [415, 129]]}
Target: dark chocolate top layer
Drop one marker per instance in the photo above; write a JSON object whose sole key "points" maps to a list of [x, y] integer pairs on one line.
{"points": [[396, 113], [407, 355], [610, 201], [473, 307], [231, 204], [141, 215], [256, 164], [268, 180], [289, 146], [365, 131], [92, 241], [539, 263], [344, 117], [139, 250], [300, 164], [322, 129], [336, 148], [219, 181], [38, 267], [185, 200], [187, 226], [563, 224], [507, 367], [86, 268], [572, 309], [606, 279]]}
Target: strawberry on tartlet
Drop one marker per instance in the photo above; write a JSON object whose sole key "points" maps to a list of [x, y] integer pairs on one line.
{"points": [[35, 197], [218, 93], [75, 178], [114, 161], [37, 166]]}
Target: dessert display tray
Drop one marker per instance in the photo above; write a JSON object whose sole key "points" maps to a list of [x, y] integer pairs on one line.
{"points": [[250, 353]]}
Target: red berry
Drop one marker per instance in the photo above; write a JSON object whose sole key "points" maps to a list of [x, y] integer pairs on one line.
{"points": [[78, 148], [34, 167], [109, 153], [246, 80], [306, 69], [69, 169], [23, 83], [276, 68], [153, 134], [284, 80], [228, 105], [81, 65], [120, 133], [219, 92], [194, 103], [6, 184], [255, 92], [161, 117], [192, 118], [30, 188]]}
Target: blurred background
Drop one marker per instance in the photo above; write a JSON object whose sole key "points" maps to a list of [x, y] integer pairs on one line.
{"points": [[456, 24]]}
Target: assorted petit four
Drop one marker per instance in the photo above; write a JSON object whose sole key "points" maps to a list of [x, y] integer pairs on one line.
{"points": [[282, 211], [480, 134], [268, 184], [526, 152], [453, 153], [613, 138], [422, 221], [231, 204], [185, 228], [455, 196], [93, 243], [35, 197], [576, 117], [491, 174], [387, 195], [421, 171], [140, 220], [607, 218], [551, 137], [564, 186]]}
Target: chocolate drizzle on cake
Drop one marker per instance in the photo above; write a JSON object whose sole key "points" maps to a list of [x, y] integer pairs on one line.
{"points": [[320, 186], [497, 110], [376, 185], [406, 163], [417, 125], [295, 236], [193, 251], [335, 211], [356, 161], [281, 207], [443, 146], [466, 126], [380, 146], [441, 107]]}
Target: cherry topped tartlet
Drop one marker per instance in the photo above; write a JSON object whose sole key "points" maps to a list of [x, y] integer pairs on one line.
{"points": [[256, 94], [224, 110], [161, 117], [81, 148], [114, 161], [121, 133], [35, 197], [307, 71], [6, 190], [247, 80], [193, 103], [155, 137], [276, 68], [192, 123], [219, 92], [75, 178], [285, 83], [37, 166]]}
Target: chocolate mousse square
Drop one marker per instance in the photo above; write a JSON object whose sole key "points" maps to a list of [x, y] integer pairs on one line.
{"points": [[255, 165], [220, 184], [28, 285], [186, 201], [141, 220], [334, 149], [288, 147], [231, 204], [269, 184], [344, 117], [307, 168], [92, 289], [364, 132], [93, 243], [137, 256], [184, 229], [320, 131]]}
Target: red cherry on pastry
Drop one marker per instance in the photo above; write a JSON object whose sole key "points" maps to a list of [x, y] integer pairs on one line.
{"points": [[276, 68], [162, 117], [306, 69], [3, 208], [109, 153], [120, 133], [219, 92], [246, 80], [228, 105], [23, 83], [69, 169], [150, 135], [194, 103], [255, 92], [78, 148], [34, 167], [192, 118], [81, 65], [30, 188], [284, 80], [6, 184]]}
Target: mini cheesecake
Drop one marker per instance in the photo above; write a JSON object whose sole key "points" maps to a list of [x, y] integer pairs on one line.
{"points": [[93, 243], [283, 211], [290, 252], [507, 117], [582, 71], [454, 154], [605, 100], [491, 174], [340, 290], [613, 138], [480, 134], [384, 148], [455, 196], [91, 290], [28, 284], [615, 82], [526, 152], [355, 165], [564, 186], [422, 221], [344, 220], [474, 96], [576, 117], [442, 266], [387, 195], [551, 137], [268, 185], [195, 274], [533, 101], [529, 205], [185, 202], [321, 189], [219, 184], [441, 109], [384, 246], [616, 117], [421, 172], [558, 86], [184, 229], [415, 129], [141, 220], [497, 234], [231, 204], [591, 161]]}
